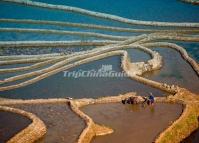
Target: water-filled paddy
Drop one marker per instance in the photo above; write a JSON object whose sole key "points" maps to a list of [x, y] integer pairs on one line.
{"points": [[62, 124], [11, 124], [175, 71], [132, 123], [137, 55], [60, 86], [154, 10]]}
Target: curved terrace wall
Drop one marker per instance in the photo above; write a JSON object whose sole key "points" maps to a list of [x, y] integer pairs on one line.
{"points": [[30, 134]]}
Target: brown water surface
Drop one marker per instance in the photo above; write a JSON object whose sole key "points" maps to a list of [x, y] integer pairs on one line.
{"points": [[63, 125], [133, 124]]}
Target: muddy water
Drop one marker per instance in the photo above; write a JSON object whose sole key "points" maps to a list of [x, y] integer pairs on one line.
{"points": [[80, 87], [11, 124], [132, 124], [175, 70], [62, 124]]}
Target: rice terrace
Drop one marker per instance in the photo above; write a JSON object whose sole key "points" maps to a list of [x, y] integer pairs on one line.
{"points": [[124, 71]]}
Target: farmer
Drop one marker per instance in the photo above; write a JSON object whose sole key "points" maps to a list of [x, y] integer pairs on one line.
{"points": [[151, 99]]}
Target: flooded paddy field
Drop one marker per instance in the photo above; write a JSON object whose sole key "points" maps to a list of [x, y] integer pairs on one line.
{"points": [[132, 124], [80, 87], [175, 70], [62, 124], [11, 124]]}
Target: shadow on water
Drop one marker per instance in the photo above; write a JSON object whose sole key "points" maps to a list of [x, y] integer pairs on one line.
{"points": [[193, 138], [11, 124]]}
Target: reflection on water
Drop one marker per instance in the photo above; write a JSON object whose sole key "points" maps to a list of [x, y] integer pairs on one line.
{"points": [[132, 124]]}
